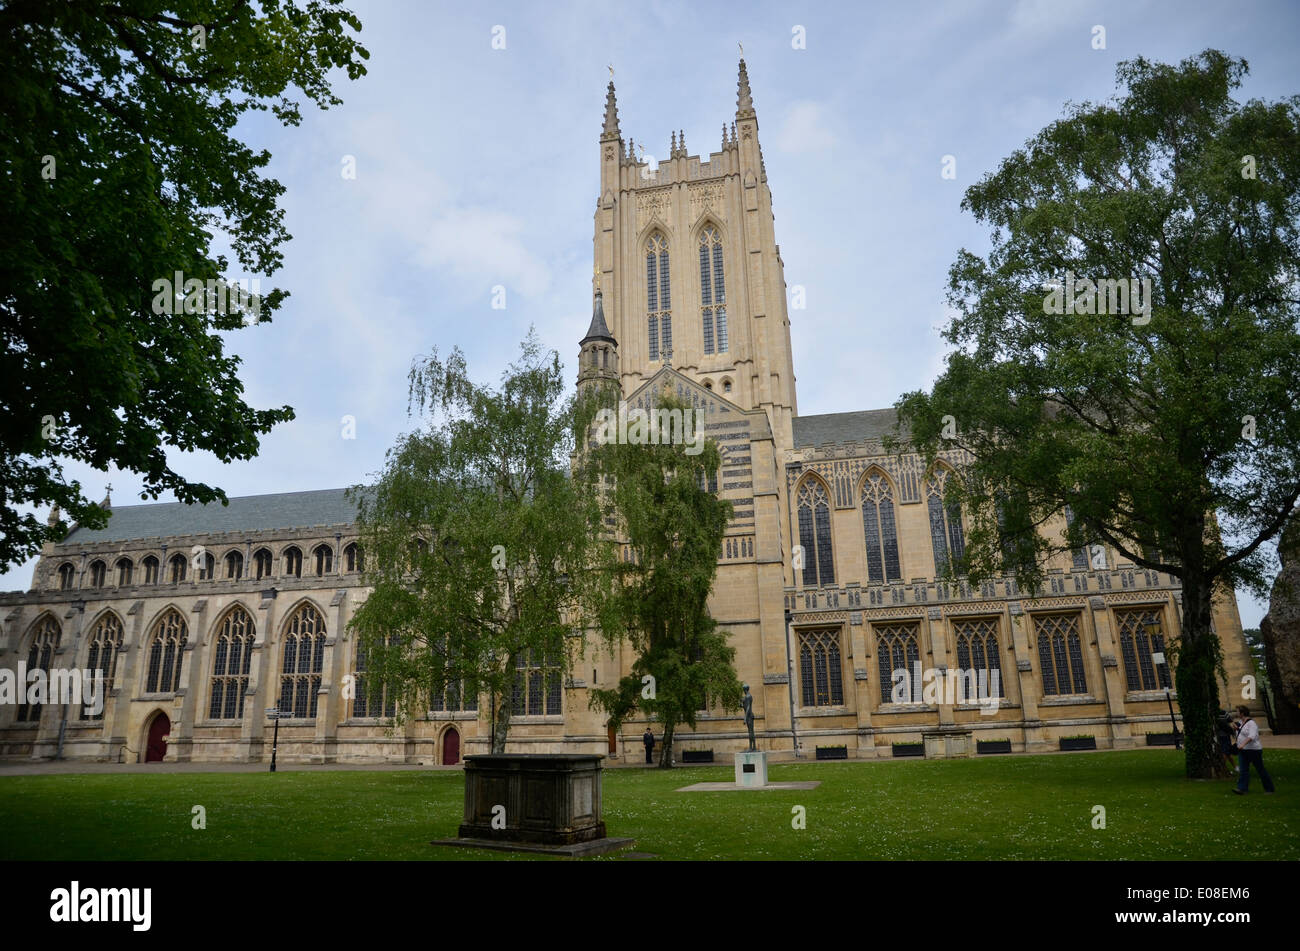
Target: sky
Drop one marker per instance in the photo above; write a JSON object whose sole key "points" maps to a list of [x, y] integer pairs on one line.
{"points": [[474, 139]]}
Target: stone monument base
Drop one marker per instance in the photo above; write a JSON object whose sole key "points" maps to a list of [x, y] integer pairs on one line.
{"points": [[751, 768]]}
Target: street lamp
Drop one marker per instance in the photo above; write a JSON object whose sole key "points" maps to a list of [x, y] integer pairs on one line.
{"points": [[276, 714], [1158, 657]]}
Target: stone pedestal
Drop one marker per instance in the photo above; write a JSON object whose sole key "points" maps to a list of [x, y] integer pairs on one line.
{"points": [[751, 768], [549, 799], [948, 745]]}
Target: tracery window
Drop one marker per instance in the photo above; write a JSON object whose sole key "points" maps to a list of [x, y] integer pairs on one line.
{"points": [[232, 657], [124, 571], [105, 647], [178, 566], [324, 558], [371, 699], [150, 565], [880, 530], [1060, 654], [98, 571], [659, 306], [897, 649], [262, 562], [45, 640], [814, 512], [977, 651], [66, 575], [1141, 672], [207, 566], [234, 565], [713, 292], [945, 523], [821, 674], [352, 560], [302, 661], [293, 562], [537, 684], [166, 653]]}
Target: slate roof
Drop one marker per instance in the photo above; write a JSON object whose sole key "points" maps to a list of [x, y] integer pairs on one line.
{"points": [[249, 513], [829, 428]]}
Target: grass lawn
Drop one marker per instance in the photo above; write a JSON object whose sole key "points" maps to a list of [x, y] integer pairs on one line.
{"points": [[1017, 807]]}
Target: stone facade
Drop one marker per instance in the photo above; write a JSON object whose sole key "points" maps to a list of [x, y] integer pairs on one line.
{"points": [[828, 581]]}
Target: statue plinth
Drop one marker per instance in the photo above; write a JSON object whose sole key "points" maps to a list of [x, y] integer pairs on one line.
{"points": [[751, 768]]}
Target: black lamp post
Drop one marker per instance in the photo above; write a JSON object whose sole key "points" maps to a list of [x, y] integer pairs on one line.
{"points": [[1153, 635], [275, 714]]}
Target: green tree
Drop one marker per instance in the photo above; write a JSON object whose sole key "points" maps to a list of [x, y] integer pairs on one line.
{"points": [[1172, 434], [476, 539], [657, 495], [121, 165]]}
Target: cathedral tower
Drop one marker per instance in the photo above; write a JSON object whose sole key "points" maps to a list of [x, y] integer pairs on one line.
{"points": [[687, 256]]}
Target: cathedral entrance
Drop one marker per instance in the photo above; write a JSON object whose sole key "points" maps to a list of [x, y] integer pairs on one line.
{"points": [[156, 745], [451, 747]]}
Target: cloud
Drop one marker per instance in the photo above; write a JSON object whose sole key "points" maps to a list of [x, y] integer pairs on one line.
{"points": [[805, 128], [483, 247]]}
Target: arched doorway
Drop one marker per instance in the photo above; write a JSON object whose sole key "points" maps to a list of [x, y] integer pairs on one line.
{"points": [[156, 745], [451, 747]]}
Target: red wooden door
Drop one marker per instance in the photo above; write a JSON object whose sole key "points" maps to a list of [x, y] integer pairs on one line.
{"points": [[450, 747], [613, 740], [156, 748]]}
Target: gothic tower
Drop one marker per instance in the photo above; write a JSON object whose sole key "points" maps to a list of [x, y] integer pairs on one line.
{"points": [[693, 278]]}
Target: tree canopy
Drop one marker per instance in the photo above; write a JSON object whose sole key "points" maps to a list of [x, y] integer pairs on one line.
{"points": [[123, 169], [1164, 412]]}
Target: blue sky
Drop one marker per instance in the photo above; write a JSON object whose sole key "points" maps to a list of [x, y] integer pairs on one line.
{"points": [[478, 166]]}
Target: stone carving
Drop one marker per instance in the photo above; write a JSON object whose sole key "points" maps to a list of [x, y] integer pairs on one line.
{"points": [[653, 204]]}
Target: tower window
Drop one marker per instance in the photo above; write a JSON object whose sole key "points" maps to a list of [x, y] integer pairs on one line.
{"points": [[659, 318], [814, 514], [945, 524], [713, 292]]}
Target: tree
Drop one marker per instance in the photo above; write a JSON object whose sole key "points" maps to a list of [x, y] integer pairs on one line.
{"points": [[657, 497], [1170, 428], [476, 542], [121, 165]]}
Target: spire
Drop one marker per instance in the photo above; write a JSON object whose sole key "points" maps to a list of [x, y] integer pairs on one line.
{"points": [[611, 114], [55, 515], [733, 133], [108, 498], [681, 141], [724, 136], [744, 100], [598, 329], [672, 149]]}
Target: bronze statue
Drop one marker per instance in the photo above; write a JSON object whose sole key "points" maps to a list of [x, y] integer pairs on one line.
{"points": [[747, 704]]}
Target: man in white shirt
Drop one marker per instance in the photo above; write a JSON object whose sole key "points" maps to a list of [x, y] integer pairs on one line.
{"points": [[1250, 751]]}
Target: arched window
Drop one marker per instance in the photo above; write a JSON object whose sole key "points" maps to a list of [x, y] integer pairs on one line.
{"points": [[293, 562], [324, 558], [234, 565], [66, 575], [371, 700], [232, 657], [352, 560], [207, 563], [536, 690], [98, 570], [1060, 654], [178, 565], [166, 652], [945, 523], [815, 534], [897, 650], [659, 304], [150, 565], [45, 640], [821, 675], [880, 530], [726, 386], [105, 647], [262, 563], [1140, 670], [713, 292], [124, 570], [303, 659], [977, 652]]}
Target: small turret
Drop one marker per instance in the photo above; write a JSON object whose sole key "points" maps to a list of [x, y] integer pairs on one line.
{"points": [[598, 350]]}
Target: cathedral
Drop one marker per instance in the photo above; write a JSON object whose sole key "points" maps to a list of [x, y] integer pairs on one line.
{"points": [[830, 584]]}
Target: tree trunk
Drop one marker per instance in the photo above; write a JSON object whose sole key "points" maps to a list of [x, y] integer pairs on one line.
{"points": [[666, 754], [1195, 678], [501, 723]]}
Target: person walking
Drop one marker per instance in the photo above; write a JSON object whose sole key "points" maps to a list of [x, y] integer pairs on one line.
{"points": [[648, 739], [1224, 730], [1250, 751]]}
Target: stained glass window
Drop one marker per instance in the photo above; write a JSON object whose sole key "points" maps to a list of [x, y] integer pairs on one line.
{"points": [[897, 647], [945, 524], [1060, 654], [232, 659], [713, 292], [821, 674], [166, 653], [1140, 670], [659, 305], [814, 511], [105, 646], [303, 659], [537, 684], [879, 529], [45, 639], [977, 651]]}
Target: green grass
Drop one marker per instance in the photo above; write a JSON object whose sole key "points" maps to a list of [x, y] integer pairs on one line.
{"points": [[1022, 807]]}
